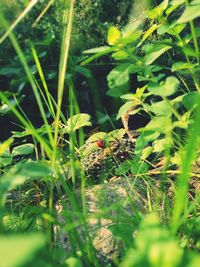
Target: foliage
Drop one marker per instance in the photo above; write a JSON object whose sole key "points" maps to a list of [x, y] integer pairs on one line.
{"points": [[38, 165]]}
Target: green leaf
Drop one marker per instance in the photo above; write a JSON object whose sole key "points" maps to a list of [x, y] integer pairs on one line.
{"points": [[146, 152], [5, 159], [123, 168], [35, 169], [4, 147], [120, 55], [190, 100], [97, 50], [95, 137], [172, 29], [144, 139], [17, 250], [114, 35], [77, 121], [177, 2], [123, 231], [169, 87], [158, 11], [9, 71], [138, 166], [25, 149], [118, 80], [148, 33], [126, 107], [161, 124], [84, 71], [156, 52], [192, 11], [182, 65], [73, 262], [160, 108], [162, 144]]}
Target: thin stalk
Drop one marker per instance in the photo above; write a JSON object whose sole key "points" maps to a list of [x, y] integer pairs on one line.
{"points": [[63, 66], [43, 13], [40, 71], [194, 36], [183, 179], [16, 22], [30, 78]]}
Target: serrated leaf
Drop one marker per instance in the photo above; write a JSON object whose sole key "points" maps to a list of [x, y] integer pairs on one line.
{"points": [[192, 11], [116, 134], [77, 121], [114, 35], [169, 87]]}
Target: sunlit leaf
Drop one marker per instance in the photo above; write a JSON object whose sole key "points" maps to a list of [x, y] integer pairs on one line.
{"points": [[148, 33], [114, 35], [161, 124], [192, 11], [97, 50], [77, 121], [24, 149], [182, 65], [152, 56], [158, 10], [169, 87], [5, 145]]}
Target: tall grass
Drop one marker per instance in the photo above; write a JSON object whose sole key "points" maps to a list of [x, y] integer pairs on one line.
{"points": [[75, 207]]}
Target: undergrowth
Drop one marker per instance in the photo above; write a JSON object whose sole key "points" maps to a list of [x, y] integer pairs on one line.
{"points": [[120, 198]]}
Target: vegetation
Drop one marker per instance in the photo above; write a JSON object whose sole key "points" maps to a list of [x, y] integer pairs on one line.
{"points": [[89, 183]]}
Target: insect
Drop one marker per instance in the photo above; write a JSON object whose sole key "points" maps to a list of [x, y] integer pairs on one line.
{"points": [[101, 143]]}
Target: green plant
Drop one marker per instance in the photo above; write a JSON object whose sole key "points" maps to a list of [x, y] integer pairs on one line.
{"points": [[38, 165]]}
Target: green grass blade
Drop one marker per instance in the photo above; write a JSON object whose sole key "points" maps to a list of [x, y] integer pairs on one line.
{"points": [[181, 197], [67, 20], [16, 22], [40, 71]]}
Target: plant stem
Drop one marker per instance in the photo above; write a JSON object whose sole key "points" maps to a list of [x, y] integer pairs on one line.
{"points": [[63, 66]]}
